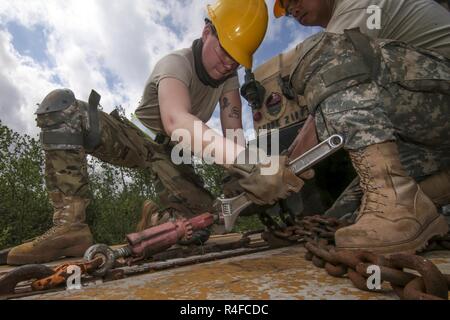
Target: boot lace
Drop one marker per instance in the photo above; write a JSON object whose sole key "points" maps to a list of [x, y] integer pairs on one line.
{"points": [[57, 224], [49, 233], [372, 198]]}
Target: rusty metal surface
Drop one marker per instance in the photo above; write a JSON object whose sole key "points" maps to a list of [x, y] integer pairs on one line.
{"points": [[276, 274]]}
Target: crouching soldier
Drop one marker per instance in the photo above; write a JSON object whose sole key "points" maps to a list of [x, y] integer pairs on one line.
{"points": [[422, 23], [182, 91], [391, 102]]}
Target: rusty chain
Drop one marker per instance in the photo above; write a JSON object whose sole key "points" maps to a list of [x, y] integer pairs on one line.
{"points": [[317, 232], [439, 243], [43, 277], [304, 230], [61, 274], [9, 281], [430, 284]]}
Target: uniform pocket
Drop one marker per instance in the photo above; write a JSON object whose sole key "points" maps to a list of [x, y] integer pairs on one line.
{"points": [[416, 69]]}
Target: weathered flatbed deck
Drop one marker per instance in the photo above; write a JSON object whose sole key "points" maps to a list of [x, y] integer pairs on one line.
{"points": [[275, 274]]}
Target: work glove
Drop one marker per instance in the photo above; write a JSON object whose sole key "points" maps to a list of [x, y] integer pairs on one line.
{"points": [[264, 186], [230, 185]]}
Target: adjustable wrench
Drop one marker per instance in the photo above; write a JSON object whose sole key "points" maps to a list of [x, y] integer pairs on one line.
{"points": [[231, 208]]}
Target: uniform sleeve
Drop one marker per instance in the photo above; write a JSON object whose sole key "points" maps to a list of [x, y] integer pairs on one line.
{"points": [[173, 66], [231, 84]]}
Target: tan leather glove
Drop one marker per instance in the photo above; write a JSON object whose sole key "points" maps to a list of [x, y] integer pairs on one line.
{"points": [[267, 189], [231, 187]]}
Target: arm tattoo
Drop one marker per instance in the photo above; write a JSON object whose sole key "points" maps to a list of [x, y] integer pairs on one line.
{"points": [[235, 113], [225, 104]]}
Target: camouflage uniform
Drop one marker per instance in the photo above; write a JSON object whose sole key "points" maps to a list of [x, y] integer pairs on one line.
{"points": [[120, 143], [377, 91]]}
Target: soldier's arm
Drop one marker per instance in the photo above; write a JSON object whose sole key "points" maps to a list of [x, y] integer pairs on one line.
{"points": [[175, 109], [231, 116]]}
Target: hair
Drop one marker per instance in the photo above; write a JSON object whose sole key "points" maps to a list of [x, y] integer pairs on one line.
{"points": [[211, 26]]}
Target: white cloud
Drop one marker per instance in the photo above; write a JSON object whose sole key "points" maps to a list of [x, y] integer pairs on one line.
{"points": [[107, 45], [275, 25], [87, 42], [22, 83]]}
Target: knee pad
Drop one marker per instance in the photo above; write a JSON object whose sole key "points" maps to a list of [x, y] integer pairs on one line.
{"points": [[68, 123]]}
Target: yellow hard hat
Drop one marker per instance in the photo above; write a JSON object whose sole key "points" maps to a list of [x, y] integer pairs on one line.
{"points": [[241, 27], [278, 9]]}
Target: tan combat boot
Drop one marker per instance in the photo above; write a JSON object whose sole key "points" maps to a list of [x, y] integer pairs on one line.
{"points": [[151, 216], [437, 187], [69, 236], [395, 215]]}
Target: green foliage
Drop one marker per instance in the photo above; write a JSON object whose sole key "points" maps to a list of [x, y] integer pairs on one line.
{"points": [[4, 235], [248, 223], [118, 195], [25, 211], [212, 176]]}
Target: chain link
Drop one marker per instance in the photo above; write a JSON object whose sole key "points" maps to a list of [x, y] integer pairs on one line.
{"points": [[304, 230], [430, 284], [61, 274], [317, 232], [47, 277]]}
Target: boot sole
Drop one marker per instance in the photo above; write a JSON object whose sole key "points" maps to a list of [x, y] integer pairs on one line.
{"points": [[437, 227], [69, 252]]}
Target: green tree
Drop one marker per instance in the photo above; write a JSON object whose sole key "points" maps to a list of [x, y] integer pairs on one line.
{"points": [[24, 208]]}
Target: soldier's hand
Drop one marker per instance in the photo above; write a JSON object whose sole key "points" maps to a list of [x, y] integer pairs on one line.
{"points": [[270, 182]]}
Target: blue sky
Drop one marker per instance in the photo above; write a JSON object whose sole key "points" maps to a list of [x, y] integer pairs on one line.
{"points": [[30, 42], [106, 45]]}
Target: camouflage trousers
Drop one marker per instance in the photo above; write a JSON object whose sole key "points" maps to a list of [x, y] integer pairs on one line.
{"points": [[122, 144], [418, 121]]}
